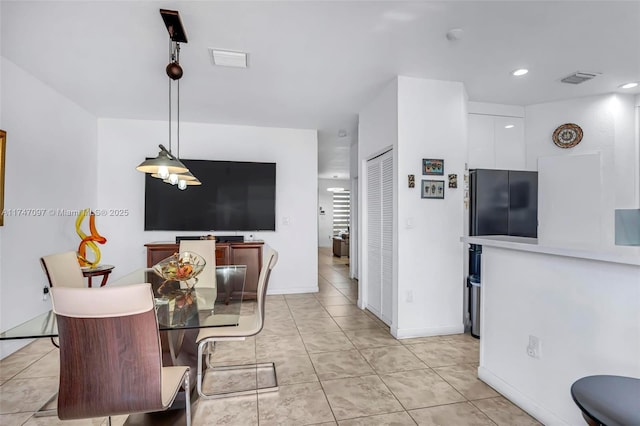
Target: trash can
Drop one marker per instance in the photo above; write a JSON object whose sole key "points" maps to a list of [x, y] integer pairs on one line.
{"points": [[473, 282]]}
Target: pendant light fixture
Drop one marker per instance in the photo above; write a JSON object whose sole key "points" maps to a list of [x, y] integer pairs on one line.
{"points": [[166, 165]]}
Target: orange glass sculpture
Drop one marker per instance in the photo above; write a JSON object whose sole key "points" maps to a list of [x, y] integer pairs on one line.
{"points": [[88, 240]]}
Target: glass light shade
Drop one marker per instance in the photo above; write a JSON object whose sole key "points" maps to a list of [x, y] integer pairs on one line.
{"points": [[173, 178], [163, 172], [162, 160], [182, 184]]}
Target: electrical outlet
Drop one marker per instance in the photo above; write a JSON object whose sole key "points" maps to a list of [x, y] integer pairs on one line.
{"points": [[534, 347], [45, 293]]}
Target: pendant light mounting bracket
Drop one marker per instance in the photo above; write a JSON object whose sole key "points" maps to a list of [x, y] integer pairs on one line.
{"points": [[174, 25]]}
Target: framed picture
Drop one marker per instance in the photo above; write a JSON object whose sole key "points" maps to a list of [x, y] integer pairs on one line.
{"points": [[432, 166], [3, 141], [432, 189]]}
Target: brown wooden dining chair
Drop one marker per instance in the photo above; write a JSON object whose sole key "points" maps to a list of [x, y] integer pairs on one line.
{"points": [[248, 325], [110, 354]]}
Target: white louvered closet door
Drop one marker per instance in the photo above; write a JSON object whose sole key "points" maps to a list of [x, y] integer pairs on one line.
{"points": [[387, 237], [380, 236]]}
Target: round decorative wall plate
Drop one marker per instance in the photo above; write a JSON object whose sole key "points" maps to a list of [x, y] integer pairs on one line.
{"points": [[567, 136]]}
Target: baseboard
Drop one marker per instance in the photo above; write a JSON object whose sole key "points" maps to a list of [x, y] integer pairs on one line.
{"points": [[408, 333], [512, 394], [292, 290]]}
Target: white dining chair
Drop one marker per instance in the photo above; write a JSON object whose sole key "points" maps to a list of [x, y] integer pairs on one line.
{"points": [[248, 325], [206, 249]]}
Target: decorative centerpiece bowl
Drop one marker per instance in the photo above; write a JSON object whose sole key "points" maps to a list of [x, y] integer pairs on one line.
{"points": [[184, 266]]}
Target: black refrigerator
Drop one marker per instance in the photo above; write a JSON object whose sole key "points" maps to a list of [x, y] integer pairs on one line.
{"points": [[503, 202]]}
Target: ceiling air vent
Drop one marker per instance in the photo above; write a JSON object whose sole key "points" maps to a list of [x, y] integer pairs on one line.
{"points": [[579, 77], [228, 58]]}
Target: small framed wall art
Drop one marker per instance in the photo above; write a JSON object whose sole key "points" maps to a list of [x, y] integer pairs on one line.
{"points": [[432, 188], [432, 166], [453, 180]]}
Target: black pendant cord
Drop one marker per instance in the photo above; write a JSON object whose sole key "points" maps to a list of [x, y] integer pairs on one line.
{"points": [[177, 59], [178, 122], [171, 58]]}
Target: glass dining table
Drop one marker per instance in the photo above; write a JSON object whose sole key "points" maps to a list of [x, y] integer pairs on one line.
{"points": [[177, 307], [181, 313]]}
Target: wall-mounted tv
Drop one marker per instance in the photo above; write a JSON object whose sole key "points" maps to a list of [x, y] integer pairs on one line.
{"points": [[234, 196]]}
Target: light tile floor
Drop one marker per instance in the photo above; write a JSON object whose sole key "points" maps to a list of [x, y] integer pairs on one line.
{"points": [[336, 365]]}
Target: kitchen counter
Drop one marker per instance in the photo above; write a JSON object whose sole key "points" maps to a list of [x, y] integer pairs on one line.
{"points": [[629, 255], [582, 305]]}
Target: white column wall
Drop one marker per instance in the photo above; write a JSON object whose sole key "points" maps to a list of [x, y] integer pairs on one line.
{"points": [[377, 132], [420, 119], [432, 123], [50, 164], [123, 144]]}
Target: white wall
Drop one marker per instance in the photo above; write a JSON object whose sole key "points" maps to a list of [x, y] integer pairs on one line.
{"points": [[420, 119], [608, 123], [51, 163], [123, 144], [325, 201], [377, 132], [432, 123]]}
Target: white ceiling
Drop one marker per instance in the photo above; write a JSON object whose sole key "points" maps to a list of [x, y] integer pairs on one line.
{"points": [[314, 64]]}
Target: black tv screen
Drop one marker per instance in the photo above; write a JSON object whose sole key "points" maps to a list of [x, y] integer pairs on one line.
{"points": [[234, 196]]}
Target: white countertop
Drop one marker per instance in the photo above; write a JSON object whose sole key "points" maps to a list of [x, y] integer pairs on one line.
{"points": [[629, 255]]}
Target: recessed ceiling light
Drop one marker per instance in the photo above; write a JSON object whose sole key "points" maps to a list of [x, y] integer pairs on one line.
{"points": [[228, 58], [629, 85], [509, 126], [519, 72]]}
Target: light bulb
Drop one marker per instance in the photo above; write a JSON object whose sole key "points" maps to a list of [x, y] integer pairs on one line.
{"points": [[163, 172], [173, 178], [182, 184]]}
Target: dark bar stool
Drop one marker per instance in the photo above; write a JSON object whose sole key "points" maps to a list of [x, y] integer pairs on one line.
{"points": [[608, 400]]}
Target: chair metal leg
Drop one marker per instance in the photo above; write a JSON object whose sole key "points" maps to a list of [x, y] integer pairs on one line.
{"points": [[44, 412], [108, 420], [200, 376], [187, 397], [211, 347]]}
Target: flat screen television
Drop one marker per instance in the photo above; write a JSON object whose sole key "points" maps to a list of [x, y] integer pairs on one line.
{"points": [[234, 196]]}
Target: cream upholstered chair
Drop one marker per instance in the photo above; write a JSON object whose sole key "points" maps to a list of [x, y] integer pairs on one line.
{"points": [[249, 325], [63, 270], [110, 355], [206, 249]]}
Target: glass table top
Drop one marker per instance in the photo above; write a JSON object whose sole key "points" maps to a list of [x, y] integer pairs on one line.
{"points": [[207, 304]]}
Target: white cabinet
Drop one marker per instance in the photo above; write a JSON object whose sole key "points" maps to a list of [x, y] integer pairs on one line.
{"points": [[495, 144]]}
